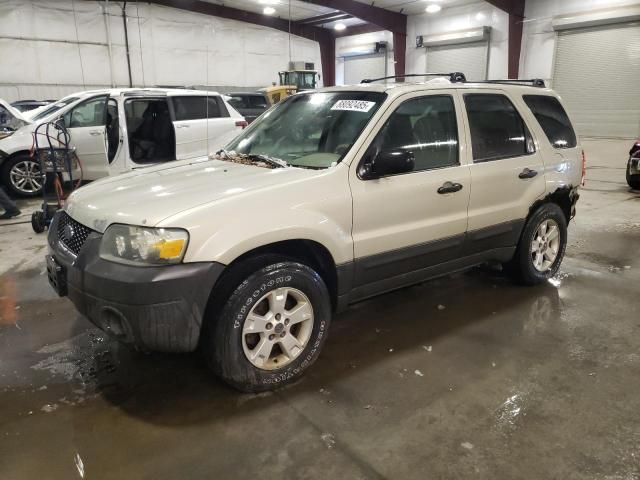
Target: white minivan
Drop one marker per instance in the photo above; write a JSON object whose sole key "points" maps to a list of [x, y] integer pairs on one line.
{"points": [[117, 130]]}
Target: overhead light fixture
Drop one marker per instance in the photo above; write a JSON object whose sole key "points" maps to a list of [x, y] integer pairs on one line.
{"points": [[339, 26], [433, 8], [269, 10]]}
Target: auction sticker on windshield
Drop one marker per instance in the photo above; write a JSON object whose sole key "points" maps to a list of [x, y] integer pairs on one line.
{"points": [[353, 105]]}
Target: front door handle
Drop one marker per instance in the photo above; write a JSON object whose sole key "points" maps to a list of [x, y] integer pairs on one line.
{"points": [[527, 173], [449, 187], [95, 133], [182, 125]]}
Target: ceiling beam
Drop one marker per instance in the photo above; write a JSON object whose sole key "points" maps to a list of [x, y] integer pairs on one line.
{"points": [[198, 6], [388, 20], [326, 18]]}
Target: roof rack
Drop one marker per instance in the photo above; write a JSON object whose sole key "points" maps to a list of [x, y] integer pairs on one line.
{"points": [[454, 77], [535, 82]]}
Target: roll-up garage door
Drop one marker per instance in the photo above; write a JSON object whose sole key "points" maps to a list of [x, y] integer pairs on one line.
{"points": [[363, 66], [468, 58], [597, 73]]}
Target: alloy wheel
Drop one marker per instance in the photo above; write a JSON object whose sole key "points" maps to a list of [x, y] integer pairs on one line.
{"points": [[26, 177], [278, 328], [545, 245]]}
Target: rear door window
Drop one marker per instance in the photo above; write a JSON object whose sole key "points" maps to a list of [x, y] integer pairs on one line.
{"points": [[553, 119], [497, 129], [198, 108]]}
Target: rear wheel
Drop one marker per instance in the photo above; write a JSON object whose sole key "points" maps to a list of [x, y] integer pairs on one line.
{"points": [[271, 328], [542, 246], [632, 180]]}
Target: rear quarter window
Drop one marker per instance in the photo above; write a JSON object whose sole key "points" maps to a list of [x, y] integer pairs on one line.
{"points": [[553, 119]]}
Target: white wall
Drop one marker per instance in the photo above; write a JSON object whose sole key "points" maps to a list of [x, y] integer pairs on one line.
{"points": [[50, 48], [538, 37], [362, 43], [461, 18]]}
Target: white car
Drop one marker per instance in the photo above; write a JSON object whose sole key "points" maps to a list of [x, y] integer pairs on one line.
{"points": [[329, 198], [117, 130]]}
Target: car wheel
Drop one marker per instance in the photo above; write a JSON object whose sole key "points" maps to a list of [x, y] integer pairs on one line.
{"points": [[632, 180], [542, 246], [271, 329], [22, 176]]}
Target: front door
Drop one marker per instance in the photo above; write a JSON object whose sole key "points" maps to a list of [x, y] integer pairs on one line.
{"points": [[404, 224], [507, 172], [86, 123]]}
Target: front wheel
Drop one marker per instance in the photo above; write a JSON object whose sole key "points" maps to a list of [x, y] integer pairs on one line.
{"points": [[632, 180], [271, 329], [22, 176], [542, 246]]}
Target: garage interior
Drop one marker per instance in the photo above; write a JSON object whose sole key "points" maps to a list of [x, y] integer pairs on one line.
{"points": [[464, 375]]}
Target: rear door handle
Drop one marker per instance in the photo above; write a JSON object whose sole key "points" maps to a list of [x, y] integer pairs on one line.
{"points": [[527, 173], [182, 125], [95, 133], [449, 187]]}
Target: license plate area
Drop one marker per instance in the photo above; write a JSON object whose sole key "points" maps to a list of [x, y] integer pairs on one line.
{"points": [[57, 276]]}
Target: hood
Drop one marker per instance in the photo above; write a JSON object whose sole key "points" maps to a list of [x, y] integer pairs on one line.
{"points": [[149, 195], [10, 117]]}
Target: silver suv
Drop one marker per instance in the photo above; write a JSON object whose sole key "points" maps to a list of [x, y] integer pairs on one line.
{"points": [[330, 197]]}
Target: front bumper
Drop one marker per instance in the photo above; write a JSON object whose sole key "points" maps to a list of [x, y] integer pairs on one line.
{"points": [[155, 308]]}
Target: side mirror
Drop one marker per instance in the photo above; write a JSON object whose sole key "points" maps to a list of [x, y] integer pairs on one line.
{"points": [[388, 162]]}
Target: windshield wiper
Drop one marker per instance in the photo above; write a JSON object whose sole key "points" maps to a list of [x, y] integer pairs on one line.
{"points": [[265, 158], [248, 158]]}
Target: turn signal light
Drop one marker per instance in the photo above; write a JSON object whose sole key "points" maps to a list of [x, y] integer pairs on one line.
{"points": [[242, 123]]}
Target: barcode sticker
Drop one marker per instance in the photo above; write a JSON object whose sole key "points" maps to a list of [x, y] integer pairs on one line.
{"points": [[353, 105]]}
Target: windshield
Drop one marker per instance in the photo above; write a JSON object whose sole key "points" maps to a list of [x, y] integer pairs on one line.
{"points": [[54, 107], [313, 130]]}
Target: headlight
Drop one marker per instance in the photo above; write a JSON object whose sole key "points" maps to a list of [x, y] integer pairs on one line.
{"points": [[143, 246]]}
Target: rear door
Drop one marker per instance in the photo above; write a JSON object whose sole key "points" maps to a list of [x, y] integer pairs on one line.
{"points": [[507, 173], [86, 123], [202, 125], [190, 125]]}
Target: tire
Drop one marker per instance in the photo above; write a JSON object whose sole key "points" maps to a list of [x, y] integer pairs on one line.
{"points": [[269, 294], [526, 267], [17, 168], [632, 180], [37, 221]]}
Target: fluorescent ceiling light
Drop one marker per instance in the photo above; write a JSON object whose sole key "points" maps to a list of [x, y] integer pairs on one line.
{"points": [[433, 8], [339, 26], [269, 10]]}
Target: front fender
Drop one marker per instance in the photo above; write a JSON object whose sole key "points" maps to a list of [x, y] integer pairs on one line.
{"points": [[316, 209]]}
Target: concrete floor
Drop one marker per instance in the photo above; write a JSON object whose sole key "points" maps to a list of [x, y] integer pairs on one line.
{"points": [[464, 376]]}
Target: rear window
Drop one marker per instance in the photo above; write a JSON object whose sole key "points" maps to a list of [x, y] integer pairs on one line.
{"points": [[553, 120]]}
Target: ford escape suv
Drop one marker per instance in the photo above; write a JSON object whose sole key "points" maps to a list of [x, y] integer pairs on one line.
{"points": [[330, 197]]}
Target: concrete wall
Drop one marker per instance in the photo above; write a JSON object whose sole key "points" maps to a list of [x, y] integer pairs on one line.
{"points": [[461, 18], [538, 37], [50, 48]]}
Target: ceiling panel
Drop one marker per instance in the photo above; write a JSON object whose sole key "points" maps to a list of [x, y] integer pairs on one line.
{"points": [[299, 9], [414, 7]]}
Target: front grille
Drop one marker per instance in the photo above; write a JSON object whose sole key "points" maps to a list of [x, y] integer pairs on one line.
{"points": [[71, 233]]}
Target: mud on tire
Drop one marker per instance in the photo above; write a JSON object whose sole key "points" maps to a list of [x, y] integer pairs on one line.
{"points": [[223, 343]]}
